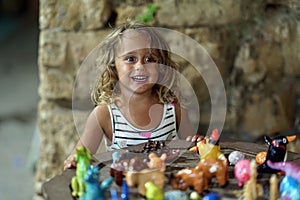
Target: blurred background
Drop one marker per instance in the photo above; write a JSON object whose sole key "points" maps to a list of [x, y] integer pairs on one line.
{"points": [[19, 142]]}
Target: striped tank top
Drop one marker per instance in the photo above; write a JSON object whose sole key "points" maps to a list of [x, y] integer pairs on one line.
{"points": [[125, 134]]}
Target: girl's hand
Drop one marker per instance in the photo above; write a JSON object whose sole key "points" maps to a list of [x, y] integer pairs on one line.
{"points": [[70, 162], [195, 138]]}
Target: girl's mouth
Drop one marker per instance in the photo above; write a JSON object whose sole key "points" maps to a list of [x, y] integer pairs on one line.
{"points": [[139, 78]]}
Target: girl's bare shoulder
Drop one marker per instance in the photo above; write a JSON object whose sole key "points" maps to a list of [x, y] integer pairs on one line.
{"points": [[102, 112]]}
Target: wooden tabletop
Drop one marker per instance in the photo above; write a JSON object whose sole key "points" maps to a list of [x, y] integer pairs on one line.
{"points": [[59, 187]]}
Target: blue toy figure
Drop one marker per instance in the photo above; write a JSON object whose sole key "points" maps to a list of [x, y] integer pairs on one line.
{"points": [[289, 189], [94, 189]]}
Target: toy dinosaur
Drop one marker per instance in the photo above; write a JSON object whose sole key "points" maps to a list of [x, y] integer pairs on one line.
{"points": [[290, 168], [83, 158], [94, 189]]}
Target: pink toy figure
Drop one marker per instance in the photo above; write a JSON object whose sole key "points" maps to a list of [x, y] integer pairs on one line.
{"points": [[290, 168], [242, 171]]}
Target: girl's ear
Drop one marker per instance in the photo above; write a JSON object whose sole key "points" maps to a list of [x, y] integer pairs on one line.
{"points": [[268, 140]]}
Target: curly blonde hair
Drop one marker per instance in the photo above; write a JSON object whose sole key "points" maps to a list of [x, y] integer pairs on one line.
{"points": [[105, 91]]}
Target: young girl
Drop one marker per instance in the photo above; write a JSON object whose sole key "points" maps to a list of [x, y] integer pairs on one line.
{"points": [[137, 97]]}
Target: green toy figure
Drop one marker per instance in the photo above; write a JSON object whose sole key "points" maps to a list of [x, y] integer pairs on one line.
{"points": [[153, 192], [83, 158]]}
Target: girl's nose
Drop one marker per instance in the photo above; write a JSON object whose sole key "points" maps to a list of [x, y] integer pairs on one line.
{"points": [[139, 66]]}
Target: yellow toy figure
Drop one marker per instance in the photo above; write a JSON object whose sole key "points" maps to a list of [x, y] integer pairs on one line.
{"points": [[83, 158], [209, 148]]}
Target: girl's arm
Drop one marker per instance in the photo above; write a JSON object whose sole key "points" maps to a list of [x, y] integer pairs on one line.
{"points": [[92, 134], [184, 126]]}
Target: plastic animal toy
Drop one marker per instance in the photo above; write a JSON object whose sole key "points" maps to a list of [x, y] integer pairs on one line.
{"points": [[94, 189], [209, 148], [175, 195], [195, 196], [235, 156], [252, 190], [211, 196], [125, 191], [157, 162], [261, 157], [120, 166], [189, 177], [289, 189], [139, 178], [153, 192], [276, 152], [242, 171], [83, 158], [213, 167], [290, 168]]}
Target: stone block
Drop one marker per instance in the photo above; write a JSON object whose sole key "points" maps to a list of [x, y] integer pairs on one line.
{"points": [[126, 12], [52, 48], [192, 13], [55, 84], [74, 15], [58, 137]]}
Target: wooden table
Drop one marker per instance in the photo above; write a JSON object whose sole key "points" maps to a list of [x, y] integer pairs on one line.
{"points": [[59, 187]]}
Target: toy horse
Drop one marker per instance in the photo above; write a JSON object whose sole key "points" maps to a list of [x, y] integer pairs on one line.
{"points": [[83, 158], [95, 190], [276, 152]]}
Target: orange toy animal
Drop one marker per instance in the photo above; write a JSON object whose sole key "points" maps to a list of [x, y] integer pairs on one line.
{"points": [[189, 177], [213, 167]]}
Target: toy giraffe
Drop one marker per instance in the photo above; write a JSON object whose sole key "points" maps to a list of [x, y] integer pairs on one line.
{"points": [[83, 158], [252, 190]]}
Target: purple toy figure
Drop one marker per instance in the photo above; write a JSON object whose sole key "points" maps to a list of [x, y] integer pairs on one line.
{"points": [[290, 168], [242, 171]]}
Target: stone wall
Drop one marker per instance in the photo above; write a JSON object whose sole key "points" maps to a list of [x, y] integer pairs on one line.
{"points": [[255, 45]]}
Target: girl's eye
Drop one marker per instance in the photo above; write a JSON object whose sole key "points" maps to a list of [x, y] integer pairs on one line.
{"points": [[150, 60], [130, 59]]}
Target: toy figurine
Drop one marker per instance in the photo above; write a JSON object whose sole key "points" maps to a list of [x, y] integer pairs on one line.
{"points": [[273, 187], [213, 167], [235, 156], [124, 194], [153, 192], [157, 162], [242, 171], [209, 148], [195, 196], [252, 190], [289, 188], [95, 190], [139, 178], [290, 168], [188, 177], [83, 158], [276, 152], [211, 196], [261, 157], [200, 176], [175, 195]]}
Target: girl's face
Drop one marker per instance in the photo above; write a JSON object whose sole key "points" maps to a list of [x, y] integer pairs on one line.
{"points": [[136, 64]]}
